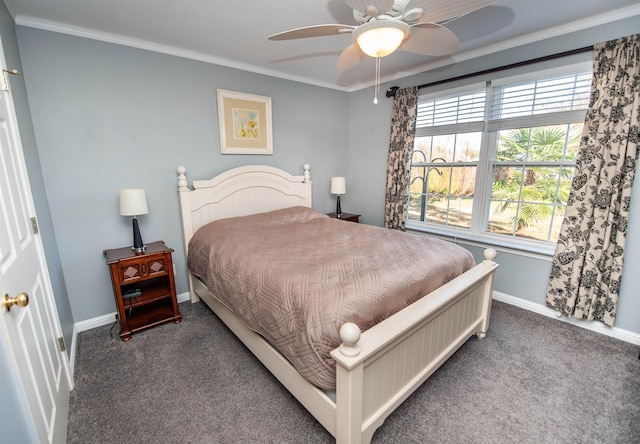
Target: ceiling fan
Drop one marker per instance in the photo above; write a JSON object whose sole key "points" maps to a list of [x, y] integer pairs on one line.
{"points": [[387, 25]]}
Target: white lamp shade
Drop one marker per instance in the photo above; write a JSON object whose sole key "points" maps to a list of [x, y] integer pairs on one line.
{"points": [[133, 202], [338, 185], [379, 38]]}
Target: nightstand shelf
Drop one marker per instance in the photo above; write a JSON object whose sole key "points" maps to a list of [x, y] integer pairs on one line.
{"points": [[151, 293], [150, 316], [151, 273]]}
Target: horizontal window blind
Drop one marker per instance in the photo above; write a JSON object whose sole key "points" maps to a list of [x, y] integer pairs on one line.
{"points": [[557, 118], [561, 93], [465, 107]]}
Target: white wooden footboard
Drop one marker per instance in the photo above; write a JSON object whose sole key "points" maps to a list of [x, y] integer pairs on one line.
{"points": [[396, 356]]}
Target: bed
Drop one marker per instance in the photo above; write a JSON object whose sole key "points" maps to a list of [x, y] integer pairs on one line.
{"points": [[375, 370]]}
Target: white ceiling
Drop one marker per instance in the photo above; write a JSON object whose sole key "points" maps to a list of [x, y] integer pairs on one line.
{"points": [[234, 33]]}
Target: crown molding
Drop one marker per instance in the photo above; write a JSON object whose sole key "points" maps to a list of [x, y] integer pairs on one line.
{"points": [[579, 25], [77, 31]]}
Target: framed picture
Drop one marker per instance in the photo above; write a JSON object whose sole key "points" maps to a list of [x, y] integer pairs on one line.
{"points": [[245, 123]]}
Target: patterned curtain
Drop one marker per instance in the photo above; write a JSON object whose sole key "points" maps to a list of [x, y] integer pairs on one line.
{"points": [[403, 128], [587, 265]]}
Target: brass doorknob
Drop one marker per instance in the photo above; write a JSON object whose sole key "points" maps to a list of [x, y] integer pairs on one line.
{"points": [[21, 301]]}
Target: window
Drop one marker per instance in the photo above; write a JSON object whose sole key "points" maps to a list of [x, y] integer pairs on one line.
{"points": [[497, 159]]}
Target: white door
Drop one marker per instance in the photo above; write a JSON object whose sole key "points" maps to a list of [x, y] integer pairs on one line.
{"points": [[32, 331]]}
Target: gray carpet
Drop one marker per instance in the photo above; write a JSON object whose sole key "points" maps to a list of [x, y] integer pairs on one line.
{"points": [[532, 379]]}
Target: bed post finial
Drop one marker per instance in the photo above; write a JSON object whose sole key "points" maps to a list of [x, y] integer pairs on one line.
{"points": [[183, 185], [349, 335], [489, 255], [307, 174]]}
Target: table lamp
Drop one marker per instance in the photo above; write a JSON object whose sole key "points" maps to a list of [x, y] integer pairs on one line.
{"points": [[133, 202], [338, 187]]}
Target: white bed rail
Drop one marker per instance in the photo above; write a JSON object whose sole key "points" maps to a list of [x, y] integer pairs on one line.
{"points": [[379, 370]]}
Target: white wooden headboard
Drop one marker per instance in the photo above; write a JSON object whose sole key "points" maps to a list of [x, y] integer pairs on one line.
{"points": [[240, 191]]}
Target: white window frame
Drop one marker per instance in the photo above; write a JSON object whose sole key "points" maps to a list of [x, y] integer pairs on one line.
{"points": [[484, 179]]}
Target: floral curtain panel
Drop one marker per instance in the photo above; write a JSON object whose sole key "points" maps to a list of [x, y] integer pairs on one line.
{"points": [[403, 128], [588, 260]]}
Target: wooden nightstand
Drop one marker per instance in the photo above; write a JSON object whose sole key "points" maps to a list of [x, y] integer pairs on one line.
{"points": [[143, 287], [346, 216]]}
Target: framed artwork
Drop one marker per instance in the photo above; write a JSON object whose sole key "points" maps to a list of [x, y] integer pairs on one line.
{"points": [[244, 123]]}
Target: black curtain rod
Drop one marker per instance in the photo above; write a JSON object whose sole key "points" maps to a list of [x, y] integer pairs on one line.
{"points": [[391, 92]]}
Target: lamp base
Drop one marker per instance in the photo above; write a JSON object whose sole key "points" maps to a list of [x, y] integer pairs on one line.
{"points": [[138, 245], [338, 209]]}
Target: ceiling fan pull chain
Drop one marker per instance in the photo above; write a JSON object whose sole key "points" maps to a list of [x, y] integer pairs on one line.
{"points": [[377, 82]]}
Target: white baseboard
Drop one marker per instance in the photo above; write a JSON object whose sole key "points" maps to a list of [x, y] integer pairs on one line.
{"points": [[598, 327], [95, 322], [72, 350], [183, 297]]}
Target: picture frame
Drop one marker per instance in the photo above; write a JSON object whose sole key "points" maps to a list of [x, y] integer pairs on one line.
{"points": [[245, 124]]}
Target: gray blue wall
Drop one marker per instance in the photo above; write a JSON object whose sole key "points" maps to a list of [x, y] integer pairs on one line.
{"points": [[109, 116]]}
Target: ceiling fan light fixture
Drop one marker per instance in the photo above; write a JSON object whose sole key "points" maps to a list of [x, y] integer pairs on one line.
{"points": [[379, 38]]}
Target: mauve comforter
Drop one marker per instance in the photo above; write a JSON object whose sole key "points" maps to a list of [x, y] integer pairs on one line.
{"points": [[295, 276]]}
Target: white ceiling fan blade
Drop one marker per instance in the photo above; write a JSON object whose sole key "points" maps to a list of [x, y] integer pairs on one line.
{"points": [[312, 31], [371, 8], [438, 11], [430, 39], [350, 57]]}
